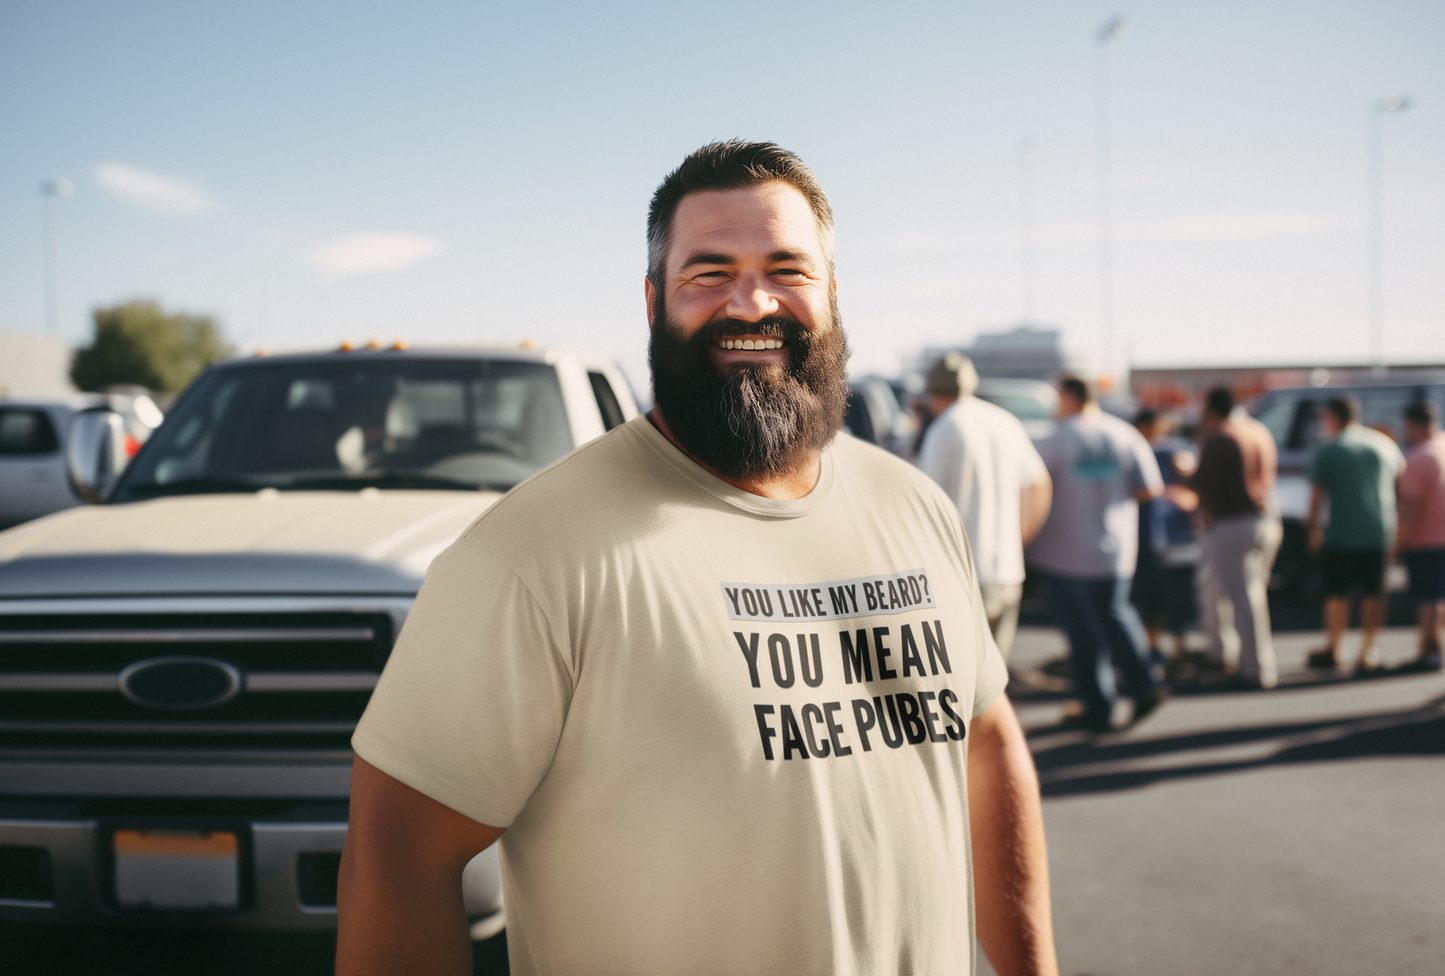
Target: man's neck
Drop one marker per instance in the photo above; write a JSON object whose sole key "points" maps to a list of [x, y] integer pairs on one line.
{"points": [[784, 486]]}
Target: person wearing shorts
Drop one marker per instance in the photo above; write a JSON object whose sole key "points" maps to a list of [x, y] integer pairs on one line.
{"points": [[1355, 474], [1421, 493]]}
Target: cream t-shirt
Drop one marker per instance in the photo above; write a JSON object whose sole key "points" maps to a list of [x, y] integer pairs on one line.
{"points": [[726, 734]]}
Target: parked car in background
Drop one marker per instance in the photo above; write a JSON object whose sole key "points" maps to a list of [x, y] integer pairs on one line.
{"points": [[1294, 417], [874, 414], [1032, 401], [34, 434], [182, 666]]}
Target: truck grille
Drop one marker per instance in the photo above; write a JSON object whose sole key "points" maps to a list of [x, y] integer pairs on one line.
{"points": [[295, 679]]}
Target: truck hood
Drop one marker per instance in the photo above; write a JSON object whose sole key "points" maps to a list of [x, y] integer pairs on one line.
{"points": [[268, 542]]}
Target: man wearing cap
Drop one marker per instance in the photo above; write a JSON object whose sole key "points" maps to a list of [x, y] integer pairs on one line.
{"points": [[982, 458]]}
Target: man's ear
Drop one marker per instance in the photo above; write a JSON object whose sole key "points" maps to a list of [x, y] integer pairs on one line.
{"points": [[649, 293]]}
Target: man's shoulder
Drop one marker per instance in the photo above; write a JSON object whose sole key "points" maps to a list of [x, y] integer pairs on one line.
{"points": [[1378, 443], [869, 473], [605, 477], [993, 417]]}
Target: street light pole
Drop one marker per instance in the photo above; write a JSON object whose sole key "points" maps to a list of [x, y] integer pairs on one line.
{"points": [[1375, 231], [52, 191], [1029, 269], [1114, 28]]}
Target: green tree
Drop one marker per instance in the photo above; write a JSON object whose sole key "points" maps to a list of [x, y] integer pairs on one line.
{"points": [[139, 343]]}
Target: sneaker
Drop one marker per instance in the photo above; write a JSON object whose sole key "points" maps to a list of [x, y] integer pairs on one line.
{"points": [[1322, 658], [1427, 661], [1146, 703]]}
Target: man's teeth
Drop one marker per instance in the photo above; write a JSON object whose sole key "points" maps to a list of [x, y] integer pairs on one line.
{"points": [[752, 343]]}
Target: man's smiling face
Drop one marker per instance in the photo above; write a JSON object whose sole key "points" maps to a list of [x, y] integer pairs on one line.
{"points": [[745, 256], [749, 360]]}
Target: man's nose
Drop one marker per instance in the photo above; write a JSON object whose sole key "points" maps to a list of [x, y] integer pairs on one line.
{"points": [[752, 298]]}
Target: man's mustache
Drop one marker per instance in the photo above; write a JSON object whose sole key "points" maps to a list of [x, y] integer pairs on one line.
{"points": [[783, 327]]}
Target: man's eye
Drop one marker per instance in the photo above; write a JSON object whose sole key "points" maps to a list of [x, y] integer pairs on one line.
{"points": [[788, 271]]}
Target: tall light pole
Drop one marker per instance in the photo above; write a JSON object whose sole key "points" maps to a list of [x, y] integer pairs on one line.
{"points": [[1374, 132], [1028, 264], [1114, 28], [52, 191]]}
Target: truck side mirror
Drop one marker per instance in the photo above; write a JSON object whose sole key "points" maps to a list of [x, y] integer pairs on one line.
{"points": [[95, 452]]}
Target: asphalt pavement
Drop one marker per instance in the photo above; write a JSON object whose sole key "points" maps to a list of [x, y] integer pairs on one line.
{"points": [[1290, 831], [1297, 830]]}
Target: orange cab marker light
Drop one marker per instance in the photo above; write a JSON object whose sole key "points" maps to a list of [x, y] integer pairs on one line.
{"points": [[399, 344], [346, 346], [373, 343], [262, 351], [175, 843], [528, 344]]}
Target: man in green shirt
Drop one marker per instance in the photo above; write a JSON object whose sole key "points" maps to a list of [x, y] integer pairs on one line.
{"points": [[1355, 473]]}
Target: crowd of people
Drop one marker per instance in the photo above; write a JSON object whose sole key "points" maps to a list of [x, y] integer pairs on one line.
{"points": [[1135, 533]]}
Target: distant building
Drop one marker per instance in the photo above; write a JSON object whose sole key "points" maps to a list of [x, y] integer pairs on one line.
{"points": [[1025, 352], [33, 365]]}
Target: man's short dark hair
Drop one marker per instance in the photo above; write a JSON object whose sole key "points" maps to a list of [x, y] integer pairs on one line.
{"points": [[1422, 412], [731, 165], [1220, 401], [1145, 418], [1081, 390], [1344, 408]]}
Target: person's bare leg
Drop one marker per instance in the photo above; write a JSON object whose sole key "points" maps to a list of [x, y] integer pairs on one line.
{"points": [[1337, 618], [1428, 615], [1372, 616]]}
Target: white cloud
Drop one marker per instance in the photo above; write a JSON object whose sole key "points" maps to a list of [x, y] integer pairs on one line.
{"points": [[166, 194], [375, 253]]}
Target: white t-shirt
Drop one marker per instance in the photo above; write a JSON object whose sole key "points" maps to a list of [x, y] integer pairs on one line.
{"points": [[1097, 462], [669, 692], [982, 458]]}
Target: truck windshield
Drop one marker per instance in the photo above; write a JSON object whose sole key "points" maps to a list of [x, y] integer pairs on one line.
{"points": [[404, 423]]}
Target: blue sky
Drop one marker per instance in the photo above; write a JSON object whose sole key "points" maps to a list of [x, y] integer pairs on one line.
{"points": [[312, 171]]}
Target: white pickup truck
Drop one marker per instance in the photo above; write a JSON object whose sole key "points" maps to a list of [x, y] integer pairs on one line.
{"points": [[181, 666]]}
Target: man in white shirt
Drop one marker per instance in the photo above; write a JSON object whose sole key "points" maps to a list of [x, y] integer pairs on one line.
{"points": [[982, 458], [718, 682]]}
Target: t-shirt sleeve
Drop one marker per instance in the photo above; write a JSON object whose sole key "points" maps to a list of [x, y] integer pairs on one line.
{"points": [[472, 701], [992, 675], [1320, 468]]}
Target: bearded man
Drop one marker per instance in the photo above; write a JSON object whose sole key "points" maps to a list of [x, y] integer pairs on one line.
{"points": [[720, 681]]}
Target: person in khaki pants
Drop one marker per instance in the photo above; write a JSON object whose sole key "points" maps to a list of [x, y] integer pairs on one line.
{"points": [[1235, 482]]}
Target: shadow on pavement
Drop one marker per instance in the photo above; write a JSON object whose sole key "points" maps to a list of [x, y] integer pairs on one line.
{"points": [[1414, 732]]}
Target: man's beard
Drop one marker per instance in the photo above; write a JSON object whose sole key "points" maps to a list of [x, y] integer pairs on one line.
{"points": [[747, 420]]}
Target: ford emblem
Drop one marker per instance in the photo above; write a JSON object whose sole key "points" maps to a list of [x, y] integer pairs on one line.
{"points": [[180, 683]]}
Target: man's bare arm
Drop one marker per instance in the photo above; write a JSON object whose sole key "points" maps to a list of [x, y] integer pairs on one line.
{"points": [[1314, 535], [1034, 504], [399, 898], [1010, 863]]}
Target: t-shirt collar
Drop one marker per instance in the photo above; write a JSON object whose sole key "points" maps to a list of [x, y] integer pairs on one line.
{"points": [[781, 508]]}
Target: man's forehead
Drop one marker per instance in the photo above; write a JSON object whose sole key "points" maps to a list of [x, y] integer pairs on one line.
{"points": [[769, 217]]}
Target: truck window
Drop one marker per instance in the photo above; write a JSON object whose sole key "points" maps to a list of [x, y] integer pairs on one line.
{"points": [[26, 432], [1278, 416], [401, 423], [606, 401]]}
